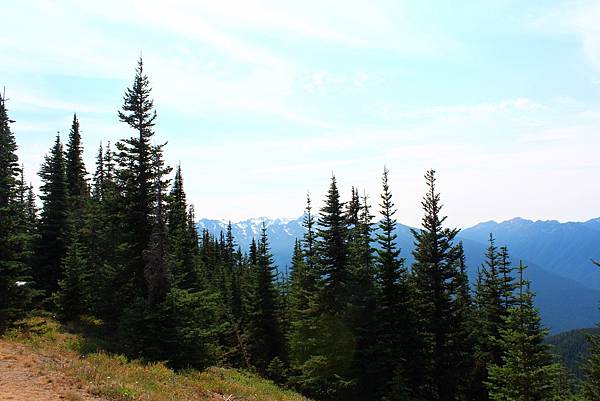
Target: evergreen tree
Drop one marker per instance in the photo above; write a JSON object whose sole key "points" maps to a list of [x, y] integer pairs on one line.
{"points": [[182, 238], [327, 374], [435, 276], [303, 300], [469, 387], [53, 230], [332, 251], [265, 332], [591, 383], [494, 296], [136, 177], [363, 299], [393, 301], [73, 296], [102, 242], [74, 166], [527, 372], [507, 281], [98, 179], [15, 291], [158, 271], [309, 240], [27, 213]]}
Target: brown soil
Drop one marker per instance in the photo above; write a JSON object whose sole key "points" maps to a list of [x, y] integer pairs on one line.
{"points": [[26, 376]]}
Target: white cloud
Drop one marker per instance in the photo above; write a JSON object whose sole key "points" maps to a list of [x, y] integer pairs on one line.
{"points": [[468, 110], [578, 18], [323, 81], [23, 99]]}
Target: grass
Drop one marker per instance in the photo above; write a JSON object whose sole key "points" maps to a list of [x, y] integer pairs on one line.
{"points": [[117, 378]]}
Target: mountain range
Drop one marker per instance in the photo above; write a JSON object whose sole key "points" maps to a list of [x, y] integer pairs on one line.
{"points": [[558, 256]]}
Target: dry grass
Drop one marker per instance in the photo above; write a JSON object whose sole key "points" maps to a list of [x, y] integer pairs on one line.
{"points": [[72, 396], [116, 378]]}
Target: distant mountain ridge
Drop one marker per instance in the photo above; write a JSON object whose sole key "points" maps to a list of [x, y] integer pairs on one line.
{"points": [[558, 256], [565, 249]]}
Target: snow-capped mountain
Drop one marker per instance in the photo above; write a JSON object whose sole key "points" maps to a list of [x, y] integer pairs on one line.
{"points": [[282, 234]]}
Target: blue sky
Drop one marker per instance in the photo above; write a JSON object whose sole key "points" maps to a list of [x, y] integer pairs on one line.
{"points": [[261, 101]]}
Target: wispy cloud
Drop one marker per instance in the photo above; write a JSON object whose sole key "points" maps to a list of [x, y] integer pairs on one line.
{"points": [[36, 101], [469, 110], [577, 18]]}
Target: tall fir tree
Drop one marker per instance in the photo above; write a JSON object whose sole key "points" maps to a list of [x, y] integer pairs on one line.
{"points": [[15, 290], [73, 296], [469, 387], [158, 269], [303, 299], [394, 320], [328, 373], [53, 230], [308, 242], [136, 177], [506, 277], [527, 371], [435, 275], [264, 328], [493, 297], [75, 170], [182, 237], [332, 251], [363, 299]]}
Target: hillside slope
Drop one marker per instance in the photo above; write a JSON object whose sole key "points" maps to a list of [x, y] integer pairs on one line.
{"points": [[41, 362], [572, 347]]}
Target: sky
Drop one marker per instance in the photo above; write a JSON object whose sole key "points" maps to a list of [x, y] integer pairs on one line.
{"points": [[262, 101]]}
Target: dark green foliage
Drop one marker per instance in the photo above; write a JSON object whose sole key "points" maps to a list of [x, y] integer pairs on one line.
{"points": [[158, 264], [266, 340], [573, 348], [332, 254], [527, 372], [394, 318], [327, 372], [436, 277], [363, 299], [591, 384], [73, 296], [74, 167], [182, 237], [102, 241], [15, 229], [98, 179], [53, 230], [494, 296], [190, 329], [470, 386], [303, 298], [136, 176]]}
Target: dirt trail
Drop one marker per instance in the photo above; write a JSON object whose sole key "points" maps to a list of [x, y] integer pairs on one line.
{"points": [[24, 376]]}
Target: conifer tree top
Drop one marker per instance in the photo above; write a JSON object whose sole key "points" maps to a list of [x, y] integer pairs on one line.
{"points": [[138, 107]]}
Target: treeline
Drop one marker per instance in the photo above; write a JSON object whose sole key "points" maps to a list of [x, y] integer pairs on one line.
{"points": [[121, 253]]}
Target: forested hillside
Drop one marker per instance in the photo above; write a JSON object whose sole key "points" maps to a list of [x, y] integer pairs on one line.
{"points": [[114, 248], [557, 312], [573, 348]]}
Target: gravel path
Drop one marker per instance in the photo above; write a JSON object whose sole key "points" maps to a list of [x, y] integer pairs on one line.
{"points": [[24, 376]]}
